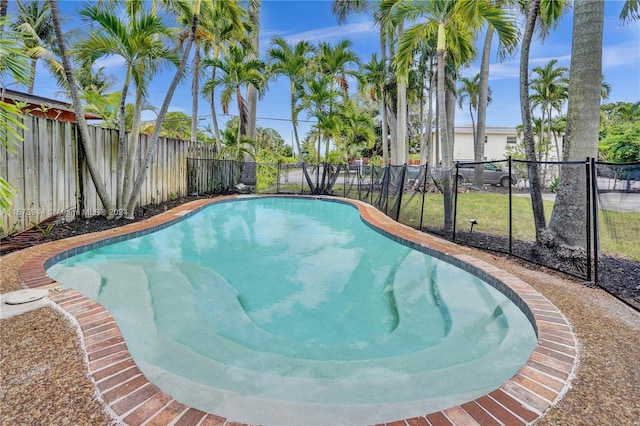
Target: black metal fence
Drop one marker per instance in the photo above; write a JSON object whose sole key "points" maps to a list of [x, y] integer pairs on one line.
{"points": [[495, 216]]}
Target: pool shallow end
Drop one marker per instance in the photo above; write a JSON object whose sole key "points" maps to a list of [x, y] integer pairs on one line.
{"points": [[523, 398]]}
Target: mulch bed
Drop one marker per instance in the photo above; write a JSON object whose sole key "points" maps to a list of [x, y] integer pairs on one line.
{"points": [[618, 276]]}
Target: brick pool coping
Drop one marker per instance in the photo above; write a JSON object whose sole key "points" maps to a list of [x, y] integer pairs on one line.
{"points": [[134, 400]]}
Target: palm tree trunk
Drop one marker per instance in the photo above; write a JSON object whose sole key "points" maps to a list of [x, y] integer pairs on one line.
{"points": [[252, 92], [421, 122], [525, 107], [427, 157], [483, 101], [135, 192], [3, 9], [294, 122], [32, 76], [401, 143], [583, 120], [134, 140], [240, 123], [383, 102], [447, 161], [195, 93], [79, 110], [450, 108], [121, 139], [214, 117]]}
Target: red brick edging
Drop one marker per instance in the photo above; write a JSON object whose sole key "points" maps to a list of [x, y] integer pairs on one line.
{"points": [[539, 384]]}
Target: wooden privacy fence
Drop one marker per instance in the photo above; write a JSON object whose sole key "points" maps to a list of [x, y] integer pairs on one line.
{"points": [[50, 173]]}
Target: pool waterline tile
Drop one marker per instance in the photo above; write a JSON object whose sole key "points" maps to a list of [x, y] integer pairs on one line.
{"points": [[137, 400]]}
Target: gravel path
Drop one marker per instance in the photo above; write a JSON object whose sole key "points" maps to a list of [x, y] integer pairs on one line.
{"points": [[44, 379]]}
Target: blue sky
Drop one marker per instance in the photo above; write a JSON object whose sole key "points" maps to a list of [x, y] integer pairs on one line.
{"points": [[312, 20]]}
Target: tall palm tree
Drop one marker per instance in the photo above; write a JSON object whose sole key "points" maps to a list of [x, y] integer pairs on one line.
{"points": [[254, 7], [583, 121], [551, 12], [225, 33], [483, 95], [373, 75], [455, 23], [470, 91], [34, 21], [135, 39], [213, 16], [392, 29], [356, 128], [318, 99], [549, 87], [291, 61], [101, 189], [338, 61], [135, 192], [237, 72], [13, 64]]}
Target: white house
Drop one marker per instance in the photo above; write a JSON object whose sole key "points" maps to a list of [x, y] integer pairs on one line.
{"points": [[496, 140]]}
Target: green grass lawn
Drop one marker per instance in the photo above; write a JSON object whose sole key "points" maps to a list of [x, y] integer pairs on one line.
{"points": [[619, 232]]}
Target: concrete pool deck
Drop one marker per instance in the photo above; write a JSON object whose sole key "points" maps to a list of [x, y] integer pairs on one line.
{"points": [[133, 400]]}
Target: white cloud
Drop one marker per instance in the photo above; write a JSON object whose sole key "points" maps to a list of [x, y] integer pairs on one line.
{"points": [[336, 32], [620, 54], [110, 62]]}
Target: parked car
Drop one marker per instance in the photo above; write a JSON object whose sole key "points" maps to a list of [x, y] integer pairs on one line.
{"points": [[413, 171], [492, 174]]}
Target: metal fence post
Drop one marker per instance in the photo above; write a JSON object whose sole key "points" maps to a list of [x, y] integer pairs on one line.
{"points": [[371, 185], [596, 228], [277, 177], [424, 190], [510, 208], [588, 215], [400, 192], [455, 200]]}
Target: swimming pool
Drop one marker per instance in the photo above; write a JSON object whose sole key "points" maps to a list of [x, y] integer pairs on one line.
{"points": [[291, 314]]}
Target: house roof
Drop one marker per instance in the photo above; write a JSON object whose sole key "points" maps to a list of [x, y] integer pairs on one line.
{"points": [[43, 107]]}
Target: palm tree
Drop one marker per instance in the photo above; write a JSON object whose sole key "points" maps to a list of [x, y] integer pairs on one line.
{"points": [[373, 75], [34, 21], [135, 192], [13, 61], [355, 127], [234, 148], [137, 41], [581, 140], [224, 33], [337, 61], [470, 90], [483, 95], [237, 73], [455, 22], [382, 17], [291, 61], [552, 11], [319, 98], [79, 110], [550, 87], [392, 26], [254, 8], [213, 16]]}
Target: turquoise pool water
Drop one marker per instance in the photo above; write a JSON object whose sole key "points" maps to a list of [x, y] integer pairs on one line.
{"points": [[293, 311]]}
